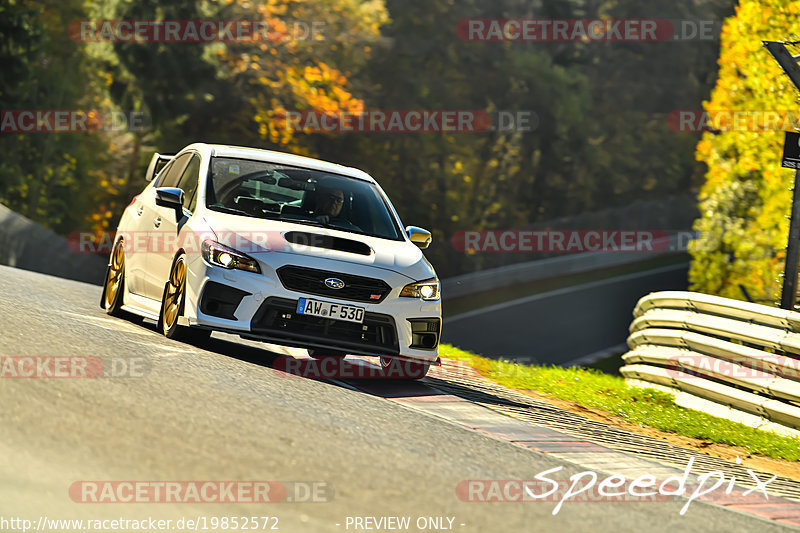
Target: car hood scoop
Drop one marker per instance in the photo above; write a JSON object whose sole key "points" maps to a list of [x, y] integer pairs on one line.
{"points": [[318, 240], [320, 248]]}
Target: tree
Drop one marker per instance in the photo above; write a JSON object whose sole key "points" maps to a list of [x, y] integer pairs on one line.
{"points": [[601, 138], [48, 177], [745, 199], [230, 92]]}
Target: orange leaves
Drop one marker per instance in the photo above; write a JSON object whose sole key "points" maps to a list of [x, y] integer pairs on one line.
{"points": [[304, 62], [317, 87], [743, 225]]}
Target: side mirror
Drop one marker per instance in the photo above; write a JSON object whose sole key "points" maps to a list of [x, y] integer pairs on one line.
{"points": [[420, 237], [171, 197], [157, 162]]}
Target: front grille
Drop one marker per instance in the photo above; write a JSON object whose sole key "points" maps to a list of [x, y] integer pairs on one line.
{"points": [[312, 281], [277, 318]]}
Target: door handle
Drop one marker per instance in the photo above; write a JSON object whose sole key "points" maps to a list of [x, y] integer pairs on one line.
{"points": [[157, 222]]}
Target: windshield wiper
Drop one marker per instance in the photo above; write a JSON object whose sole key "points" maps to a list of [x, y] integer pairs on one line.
{"points": [[306, 221], [230, 210], [234, 211], [332, 225]]}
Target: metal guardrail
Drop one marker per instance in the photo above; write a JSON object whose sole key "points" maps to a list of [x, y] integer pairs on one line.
{"points": [[27, 245], [742, 355]]}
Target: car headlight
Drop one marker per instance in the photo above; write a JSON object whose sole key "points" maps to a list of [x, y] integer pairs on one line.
{"points": [[220, 255], [428, 290]]}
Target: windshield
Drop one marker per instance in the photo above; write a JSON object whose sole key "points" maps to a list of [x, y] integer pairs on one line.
{"points": [[260, 189]]}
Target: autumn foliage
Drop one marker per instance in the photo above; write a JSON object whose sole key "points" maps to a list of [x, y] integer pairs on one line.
{"points": [[746, 197], [600, 136]]}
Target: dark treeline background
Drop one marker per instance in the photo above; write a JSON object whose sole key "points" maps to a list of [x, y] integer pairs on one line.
{"points": [[601, 141]]}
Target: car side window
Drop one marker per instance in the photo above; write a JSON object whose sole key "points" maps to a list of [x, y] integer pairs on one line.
{"points": [[173, 173], [188, 183]]}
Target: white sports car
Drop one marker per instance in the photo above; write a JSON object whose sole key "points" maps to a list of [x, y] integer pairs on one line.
{"points": [[276, 247]]}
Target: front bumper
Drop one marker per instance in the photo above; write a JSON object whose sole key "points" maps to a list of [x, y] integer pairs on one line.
{"points": [[258, 306]]}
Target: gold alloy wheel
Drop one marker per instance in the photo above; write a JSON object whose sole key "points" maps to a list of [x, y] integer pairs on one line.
{"points": [[114, 277], [172, 300]]}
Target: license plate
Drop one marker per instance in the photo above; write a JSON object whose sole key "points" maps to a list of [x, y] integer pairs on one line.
{"points": [[349, 313]]}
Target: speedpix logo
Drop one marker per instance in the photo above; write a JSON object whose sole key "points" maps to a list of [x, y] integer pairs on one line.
{"points": [[588, 486]]}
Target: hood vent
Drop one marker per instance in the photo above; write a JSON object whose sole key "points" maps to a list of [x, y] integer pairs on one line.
{"points": [[326, 241]]}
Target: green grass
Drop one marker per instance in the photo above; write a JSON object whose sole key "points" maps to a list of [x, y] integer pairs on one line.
{"points": [[646, 407]]}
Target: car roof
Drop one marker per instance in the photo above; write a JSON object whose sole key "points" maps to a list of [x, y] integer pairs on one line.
{"points": [[283, 158]]}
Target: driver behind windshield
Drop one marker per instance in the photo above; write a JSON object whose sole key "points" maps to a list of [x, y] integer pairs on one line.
{"points": [[329, 202]]}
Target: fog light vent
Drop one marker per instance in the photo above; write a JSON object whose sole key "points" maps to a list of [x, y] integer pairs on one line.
{"points": [[425, 333], [221, 300]]}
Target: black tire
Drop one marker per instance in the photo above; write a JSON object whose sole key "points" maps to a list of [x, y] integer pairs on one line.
{"points": [[114, 285], [172, 304], [316, 353], [403, 369]]}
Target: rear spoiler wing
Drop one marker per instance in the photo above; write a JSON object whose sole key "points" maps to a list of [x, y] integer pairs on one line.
{"points": [[157, 162]]}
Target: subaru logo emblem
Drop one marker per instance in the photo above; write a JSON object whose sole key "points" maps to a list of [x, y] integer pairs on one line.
{"points": [[334, 283]]}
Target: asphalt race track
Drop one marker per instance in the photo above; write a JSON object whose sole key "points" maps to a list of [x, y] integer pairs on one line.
{"points": [[176, 412], [562, 325]]}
